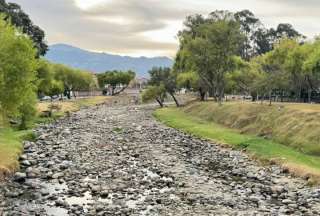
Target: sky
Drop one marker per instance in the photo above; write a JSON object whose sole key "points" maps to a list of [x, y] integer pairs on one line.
{"points": [[149, 27]]}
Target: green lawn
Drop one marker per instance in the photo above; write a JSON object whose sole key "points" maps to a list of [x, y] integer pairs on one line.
{"points": [[264, 149]]}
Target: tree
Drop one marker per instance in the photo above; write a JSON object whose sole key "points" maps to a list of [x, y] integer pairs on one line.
{"points": [[278, 70], [157, 93], [73, 80], [21, 20], [311, 69], [294, 65], [17, 73], [164, 77], [249, 24], [287, 30], [265, 39], [241, 79], [115, 79], [45, 75], [213, 49]]}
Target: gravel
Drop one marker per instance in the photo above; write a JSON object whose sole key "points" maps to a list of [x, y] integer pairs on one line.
{"points": [[120, 161]]}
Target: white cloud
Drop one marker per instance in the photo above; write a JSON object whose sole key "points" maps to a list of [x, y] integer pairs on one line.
{"points": [[149, 27]]}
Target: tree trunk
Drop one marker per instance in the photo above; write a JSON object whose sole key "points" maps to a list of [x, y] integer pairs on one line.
{"points": [[309, 95], [175, 99], [160, 102], [270, 98], [69, 94], [117, 93], [112, 90], [202, 94], [220, 96]]}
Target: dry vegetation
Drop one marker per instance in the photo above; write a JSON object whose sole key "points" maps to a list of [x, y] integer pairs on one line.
{"points": [[295, 125]]}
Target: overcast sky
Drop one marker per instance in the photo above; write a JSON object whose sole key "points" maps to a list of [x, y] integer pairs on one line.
{"points": [[149, 27]]}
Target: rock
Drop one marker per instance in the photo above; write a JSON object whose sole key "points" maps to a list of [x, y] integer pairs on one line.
{"points": [[27, 144], [26, 163], [13, 194], [287, 201], [277, 189], [33, 173], [23, 157], [144, 168], [104, 194], [60, 203], [139, 128], [57, 175], [95, 188], [20, 177]]}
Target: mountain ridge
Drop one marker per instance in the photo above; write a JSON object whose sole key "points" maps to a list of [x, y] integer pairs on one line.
{"points": [[100, 62]]}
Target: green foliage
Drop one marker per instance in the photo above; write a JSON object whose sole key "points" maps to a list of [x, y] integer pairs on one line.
{"points": [[72, 80], [17, 73], [211, 47], [28, 110], [165, 78], [188, 80], [157, 93], [21, 20], [115, 79], [55, 88], [45, 75]]}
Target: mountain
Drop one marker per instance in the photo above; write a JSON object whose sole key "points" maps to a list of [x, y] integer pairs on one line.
{"points": [[101, 62]]}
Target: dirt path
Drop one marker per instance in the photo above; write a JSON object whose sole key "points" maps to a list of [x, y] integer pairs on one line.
{"points": [[120, 161]]}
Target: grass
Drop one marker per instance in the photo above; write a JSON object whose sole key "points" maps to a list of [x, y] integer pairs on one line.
{"points": [[294, 125], [265, 149], [11, 148], [11, 139], [72, 105]]}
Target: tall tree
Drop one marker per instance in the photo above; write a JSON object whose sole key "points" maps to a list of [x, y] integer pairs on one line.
{"points": [[249, 26], [213, 49], [17, 73], [20, 19]]}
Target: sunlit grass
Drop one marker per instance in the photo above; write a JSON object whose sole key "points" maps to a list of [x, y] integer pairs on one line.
{"points": [[73, 105]]}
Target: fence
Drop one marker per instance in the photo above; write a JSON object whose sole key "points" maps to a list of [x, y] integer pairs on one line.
{"points": [[87, 93]]}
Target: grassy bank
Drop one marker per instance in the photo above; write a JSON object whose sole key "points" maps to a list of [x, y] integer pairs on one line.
{"points": [[201, 120], [294, 125], [11, 148], [11, 139], [72, 105]]}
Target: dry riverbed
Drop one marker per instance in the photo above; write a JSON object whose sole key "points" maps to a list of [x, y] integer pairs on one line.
{"points": [[121, 161]]}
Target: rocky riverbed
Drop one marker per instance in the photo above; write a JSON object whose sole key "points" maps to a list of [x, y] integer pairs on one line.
{"points": [[121, 161]]}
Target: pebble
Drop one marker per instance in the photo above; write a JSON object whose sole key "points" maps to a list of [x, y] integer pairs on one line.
{"points": [[120, 161]]}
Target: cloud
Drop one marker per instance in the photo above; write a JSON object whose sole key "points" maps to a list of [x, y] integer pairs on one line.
{"points": [[97, 28], [149, 27]]}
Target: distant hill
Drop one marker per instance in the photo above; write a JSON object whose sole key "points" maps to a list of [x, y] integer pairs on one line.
{"points": [[101, 62]]}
